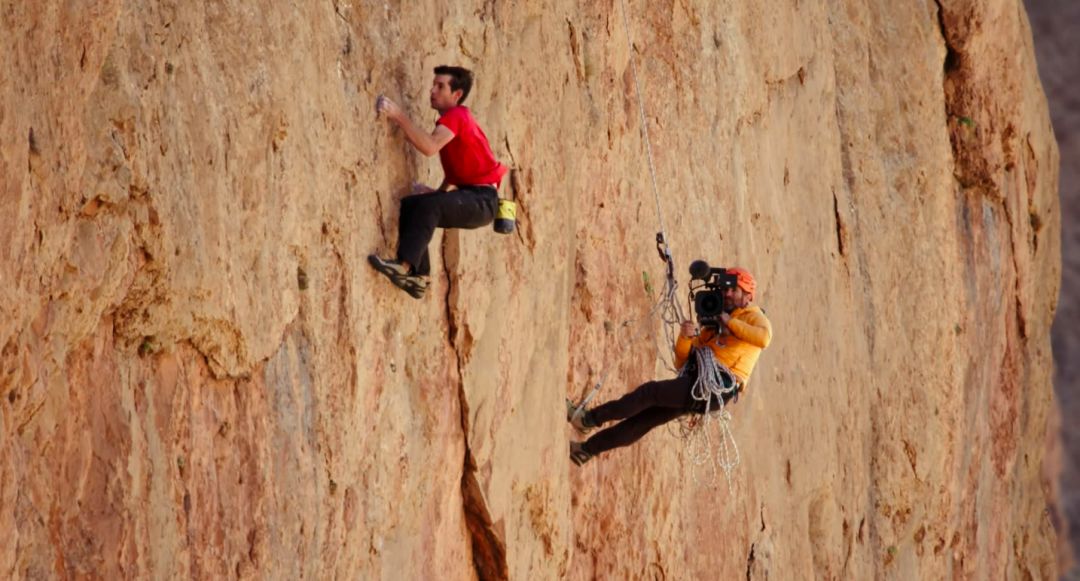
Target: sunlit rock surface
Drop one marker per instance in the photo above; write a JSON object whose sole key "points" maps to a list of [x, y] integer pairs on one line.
{"points": [[202, 377]]}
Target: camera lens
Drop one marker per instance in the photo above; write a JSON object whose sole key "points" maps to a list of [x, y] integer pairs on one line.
{"points": [[708, 304]]}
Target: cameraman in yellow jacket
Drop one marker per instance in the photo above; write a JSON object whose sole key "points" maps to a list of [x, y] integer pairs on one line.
{"points": [[743, 331]]}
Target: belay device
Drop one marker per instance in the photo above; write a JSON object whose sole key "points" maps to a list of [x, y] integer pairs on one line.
{"points": [[505, 217]]}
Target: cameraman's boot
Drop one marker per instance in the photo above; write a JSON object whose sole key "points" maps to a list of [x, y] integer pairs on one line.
{"points": [[582, 420], [578, 454]]}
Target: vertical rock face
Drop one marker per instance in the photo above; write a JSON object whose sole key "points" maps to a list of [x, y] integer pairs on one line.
{"points": [[1054, 24], [201, 377]]}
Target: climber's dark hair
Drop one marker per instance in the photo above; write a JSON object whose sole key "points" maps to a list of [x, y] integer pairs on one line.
{"points": [[460, 79]]}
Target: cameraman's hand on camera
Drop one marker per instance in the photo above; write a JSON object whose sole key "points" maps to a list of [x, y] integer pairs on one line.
{"points": [[689, 329], [725, 317]]}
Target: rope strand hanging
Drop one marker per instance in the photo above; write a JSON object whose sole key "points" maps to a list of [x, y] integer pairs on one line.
{"points": [[667, 306], [644, 124], [710, 383]]}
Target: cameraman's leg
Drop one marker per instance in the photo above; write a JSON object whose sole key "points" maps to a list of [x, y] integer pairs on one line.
{"points": [[670, 394], [630, 430]]}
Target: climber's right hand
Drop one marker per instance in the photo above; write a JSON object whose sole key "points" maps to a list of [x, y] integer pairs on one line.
{"points": [[689, 329], [385, 106]]}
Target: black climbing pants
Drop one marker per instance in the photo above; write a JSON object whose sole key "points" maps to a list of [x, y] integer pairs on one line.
{"points": [[650, 405], [466, 207]]}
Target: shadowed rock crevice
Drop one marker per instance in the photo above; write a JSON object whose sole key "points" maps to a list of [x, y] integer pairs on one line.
{"points": [[488, 546], [841, 229]]}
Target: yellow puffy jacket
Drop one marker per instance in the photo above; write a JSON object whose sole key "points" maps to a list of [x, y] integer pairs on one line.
{"points": [[748, 332]]}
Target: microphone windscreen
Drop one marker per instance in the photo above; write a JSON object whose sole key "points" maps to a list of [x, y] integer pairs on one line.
{"points": [[699, 269]]}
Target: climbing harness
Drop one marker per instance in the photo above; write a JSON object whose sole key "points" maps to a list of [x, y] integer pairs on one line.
{"points": [[714, 380]]}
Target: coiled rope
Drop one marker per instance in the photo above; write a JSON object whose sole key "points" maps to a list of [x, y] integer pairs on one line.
{"points": [[714, 381]]}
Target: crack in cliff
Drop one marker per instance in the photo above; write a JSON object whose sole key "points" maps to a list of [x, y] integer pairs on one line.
{"points": [[380, 222], [967, 135], [488, 548], [950, 67], [952, 57], [858, 253], [840, 228], [967, 172], [30, 417], [1021, 322], [337, 11]]}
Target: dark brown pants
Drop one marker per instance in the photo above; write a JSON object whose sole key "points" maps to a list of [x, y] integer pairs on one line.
{"points": [[650, 405], [466, 207]]}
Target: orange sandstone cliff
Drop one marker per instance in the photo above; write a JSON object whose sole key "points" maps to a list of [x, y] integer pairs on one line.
{"points": [[201, 377]]}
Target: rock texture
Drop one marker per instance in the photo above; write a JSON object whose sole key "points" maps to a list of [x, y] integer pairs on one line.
{"points": [[201, 377], [1055, 25]]}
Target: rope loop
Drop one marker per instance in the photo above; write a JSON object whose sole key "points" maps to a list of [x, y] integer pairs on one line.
{"points": [[714, 381]]}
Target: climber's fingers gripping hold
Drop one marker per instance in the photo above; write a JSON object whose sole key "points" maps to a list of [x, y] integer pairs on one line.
{"points": [[384, 106]]}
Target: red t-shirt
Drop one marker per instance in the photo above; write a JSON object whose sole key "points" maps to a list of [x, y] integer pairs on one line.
{"points": [[467, 159]]}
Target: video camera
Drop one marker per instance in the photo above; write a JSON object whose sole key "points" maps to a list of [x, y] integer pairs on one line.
{"points": [[708, 295]]}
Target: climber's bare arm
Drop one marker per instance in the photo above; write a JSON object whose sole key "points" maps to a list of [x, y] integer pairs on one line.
{"points": [[426, 143]]}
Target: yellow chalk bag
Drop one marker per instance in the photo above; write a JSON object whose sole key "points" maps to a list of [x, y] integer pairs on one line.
{"points": [[506, 217]]}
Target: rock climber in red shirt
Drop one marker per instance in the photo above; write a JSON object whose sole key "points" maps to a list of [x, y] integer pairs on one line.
{"points": [[470, 169]]}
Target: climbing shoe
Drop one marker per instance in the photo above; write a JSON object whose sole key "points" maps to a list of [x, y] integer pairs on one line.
{"points": [[582, 421], [401, 276], [415, 285], [578, 454], [389, 267]]}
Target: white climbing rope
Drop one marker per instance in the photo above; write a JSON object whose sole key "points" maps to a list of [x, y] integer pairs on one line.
{"points": [[668, 305], [714, 381], [644, 120]]}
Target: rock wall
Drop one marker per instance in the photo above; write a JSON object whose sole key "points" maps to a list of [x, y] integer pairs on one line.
{"points": [[1055, 24], [202, 377]]}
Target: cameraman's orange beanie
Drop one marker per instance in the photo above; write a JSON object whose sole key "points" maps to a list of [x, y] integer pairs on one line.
{"points": [[746, 280]]}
